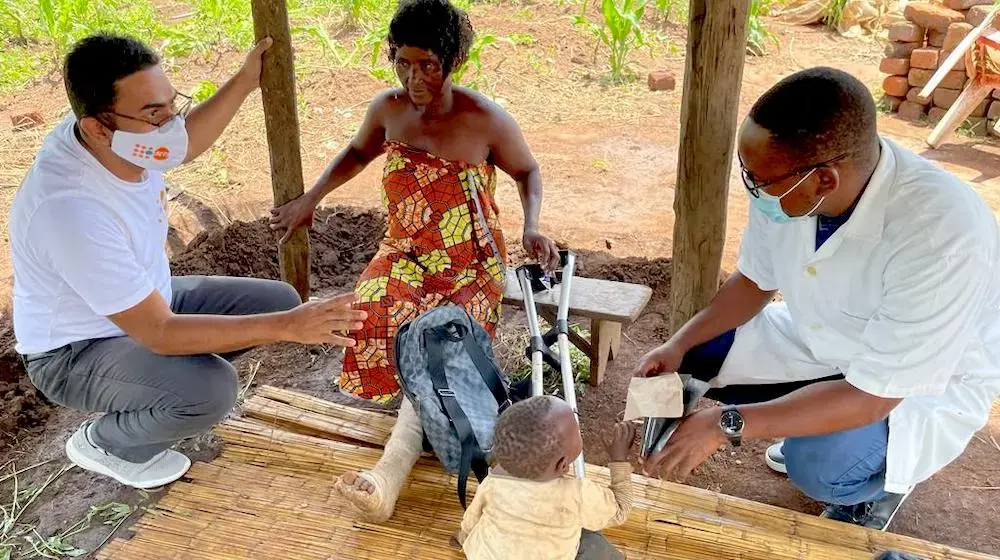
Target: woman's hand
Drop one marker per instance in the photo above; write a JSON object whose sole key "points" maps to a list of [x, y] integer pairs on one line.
{"points": [[542, 249], [291, 215]]}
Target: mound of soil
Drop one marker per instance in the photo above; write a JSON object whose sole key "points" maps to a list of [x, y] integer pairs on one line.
{"points": [[343, 240]]}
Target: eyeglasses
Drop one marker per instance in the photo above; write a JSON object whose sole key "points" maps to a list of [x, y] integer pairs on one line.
{"points": [[182, 110], [754, 188]]}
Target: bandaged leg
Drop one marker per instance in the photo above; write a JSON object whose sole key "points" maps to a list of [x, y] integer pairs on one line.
{"points": [[375, 492]]}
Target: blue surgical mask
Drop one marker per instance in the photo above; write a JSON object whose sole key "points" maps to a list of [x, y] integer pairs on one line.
{"points": [[770, 205]]}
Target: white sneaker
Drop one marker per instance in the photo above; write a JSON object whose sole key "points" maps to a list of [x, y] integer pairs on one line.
{"points": [[162, 469], [775, 458]]}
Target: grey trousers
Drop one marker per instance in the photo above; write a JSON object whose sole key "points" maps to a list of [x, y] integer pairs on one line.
{"points": [[152, 401]]}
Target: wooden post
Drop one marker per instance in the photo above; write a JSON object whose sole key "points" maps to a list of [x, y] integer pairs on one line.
{"points": [[270, 18], [716, 46]]}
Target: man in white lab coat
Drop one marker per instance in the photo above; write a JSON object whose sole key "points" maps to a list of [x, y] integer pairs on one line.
{"points": [[883, 357]]}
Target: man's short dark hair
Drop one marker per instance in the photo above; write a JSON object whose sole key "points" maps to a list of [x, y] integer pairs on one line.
{"points": [[818, 114], [95, 64], [433, 25]]}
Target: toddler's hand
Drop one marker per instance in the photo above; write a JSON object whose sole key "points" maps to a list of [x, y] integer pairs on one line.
{"points": [[619, 441]]}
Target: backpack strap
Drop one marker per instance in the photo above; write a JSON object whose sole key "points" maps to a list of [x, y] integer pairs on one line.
{"points": [[489, 372], [472, 458]]}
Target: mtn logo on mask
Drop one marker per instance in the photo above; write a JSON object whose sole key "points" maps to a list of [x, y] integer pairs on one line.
{"points": [[148, 152]]}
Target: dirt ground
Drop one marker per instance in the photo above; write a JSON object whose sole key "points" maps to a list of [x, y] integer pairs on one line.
{"points": [[609, 160]]}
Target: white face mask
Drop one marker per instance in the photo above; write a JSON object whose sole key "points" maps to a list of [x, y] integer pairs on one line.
{"points": [[161, 149]]}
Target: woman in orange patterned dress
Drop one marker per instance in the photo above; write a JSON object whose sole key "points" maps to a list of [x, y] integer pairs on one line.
{"points": [[443, 244]]}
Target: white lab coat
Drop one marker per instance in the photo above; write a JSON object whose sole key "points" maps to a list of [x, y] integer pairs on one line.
{"points": [[903, 299]]}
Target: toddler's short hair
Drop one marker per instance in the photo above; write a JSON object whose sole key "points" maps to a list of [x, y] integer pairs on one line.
{"points": [[527, 439]]}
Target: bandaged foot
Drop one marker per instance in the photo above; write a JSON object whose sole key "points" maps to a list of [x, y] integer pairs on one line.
{"points": [[375, 492]]}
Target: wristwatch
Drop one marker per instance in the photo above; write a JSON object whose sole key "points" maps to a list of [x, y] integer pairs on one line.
{"points": [[732, 424]]}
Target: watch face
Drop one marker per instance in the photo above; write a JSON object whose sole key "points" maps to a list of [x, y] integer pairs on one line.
{"points": [[732, 422]]}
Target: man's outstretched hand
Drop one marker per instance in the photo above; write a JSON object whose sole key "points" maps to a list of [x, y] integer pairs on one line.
{"points": [[325, 321]]}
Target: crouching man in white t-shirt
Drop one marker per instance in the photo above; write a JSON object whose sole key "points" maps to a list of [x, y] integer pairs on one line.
{"points": [[100, 323]]}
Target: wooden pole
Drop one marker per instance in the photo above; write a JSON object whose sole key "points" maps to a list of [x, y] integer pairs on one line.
{"points": [[717, 39], [270, 18]]}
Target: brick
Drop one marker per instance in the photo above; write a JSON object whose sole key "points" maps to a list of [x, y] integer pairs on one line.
{"points": [[966, 4], [912, 111], [935, 38], [913, 97], [890, 103], [936, 114], [977, 14], [906, 32], [25, 121], [901, 50], [926, 58], [895, 66], [932, 16], [945, 98], [955, 80], [919, 77], [976, 126], [956, 32], [662, 80], [993, 112], [896, 86], [981, 110]]}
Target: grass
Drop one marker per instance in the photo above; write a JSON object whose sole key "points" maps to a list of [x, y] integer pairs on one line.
{"points": [[834, 13], [35, 34], [758, 35], [20, 539], [512, 359], [620, 32]]}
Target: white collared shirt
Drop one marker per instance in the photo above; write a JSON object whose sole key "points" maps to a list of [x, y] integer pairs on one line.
{"points": [[903, 299]]}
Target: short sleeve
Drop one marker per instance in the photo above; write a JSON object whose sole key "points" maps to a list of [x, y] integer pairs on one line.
{"points": [[930, 308], [89, 249], [755, 261]]}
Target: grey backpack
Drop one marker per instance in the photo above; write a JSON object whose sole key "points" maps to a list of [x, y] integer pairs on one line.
{"points": [[445, 363]]}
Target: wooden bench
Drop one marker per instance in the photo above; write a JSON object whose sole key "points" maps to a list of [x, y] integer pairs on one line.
{"points": [[608, 304]]}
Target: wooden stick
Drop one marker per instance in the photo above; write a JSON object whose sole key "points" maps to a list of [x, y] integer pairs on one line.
{"points": [[270, 18], [957, 54], [717, 38], [967, 101]]}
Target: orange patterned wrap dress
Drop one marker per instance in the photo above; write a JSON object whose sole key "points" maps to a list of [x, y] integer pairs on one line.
{"points": [[435, 252]]}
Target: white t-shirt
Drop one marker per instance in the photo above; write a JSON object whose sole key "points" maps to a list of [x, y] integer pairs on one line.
{"points": [[85, 245]]}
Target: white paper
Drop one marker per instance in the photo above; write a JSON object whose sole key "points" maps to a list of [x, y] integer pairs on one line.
{"points": [[655, 397]]}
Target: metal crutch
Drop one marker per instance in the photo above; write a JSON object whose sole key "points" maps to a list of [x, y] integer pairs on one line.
{"points": [[538, 347]]}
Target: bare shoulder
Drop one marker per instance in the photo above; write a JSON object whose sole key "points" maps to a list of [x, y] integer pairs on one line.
{"points": [[479, 106], [388, 102]]}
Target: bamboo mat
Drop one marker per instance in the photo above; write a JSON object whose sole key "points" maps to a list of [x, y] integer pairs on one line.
{"points": [[269, 495]]}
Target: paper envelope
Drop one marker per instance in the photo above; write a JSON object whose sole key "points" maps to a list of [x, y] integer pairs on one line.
{"points": [[655, 397]]}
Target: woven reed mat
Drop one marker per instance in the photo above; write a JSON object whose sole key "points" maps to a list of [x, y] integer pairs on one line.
{"points": [[269, 495]]}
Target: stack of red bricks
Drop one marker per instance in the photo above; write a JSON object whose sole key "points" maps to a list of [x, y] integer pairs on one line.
{"points": [[919, 45]]}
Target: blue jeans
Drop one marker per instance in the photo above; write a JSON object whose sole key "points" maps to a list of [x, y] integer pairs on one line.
{"points": [[843, 468]]}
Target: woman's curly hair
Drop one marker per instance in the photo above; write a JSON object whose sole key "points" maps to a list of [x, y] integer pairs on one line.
{"points": [[433, 25]]}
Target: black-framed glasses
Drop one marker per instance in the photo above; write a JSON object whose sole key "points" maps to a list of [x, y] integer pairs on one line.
{"points": [[754, 188], [182, 110]]}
